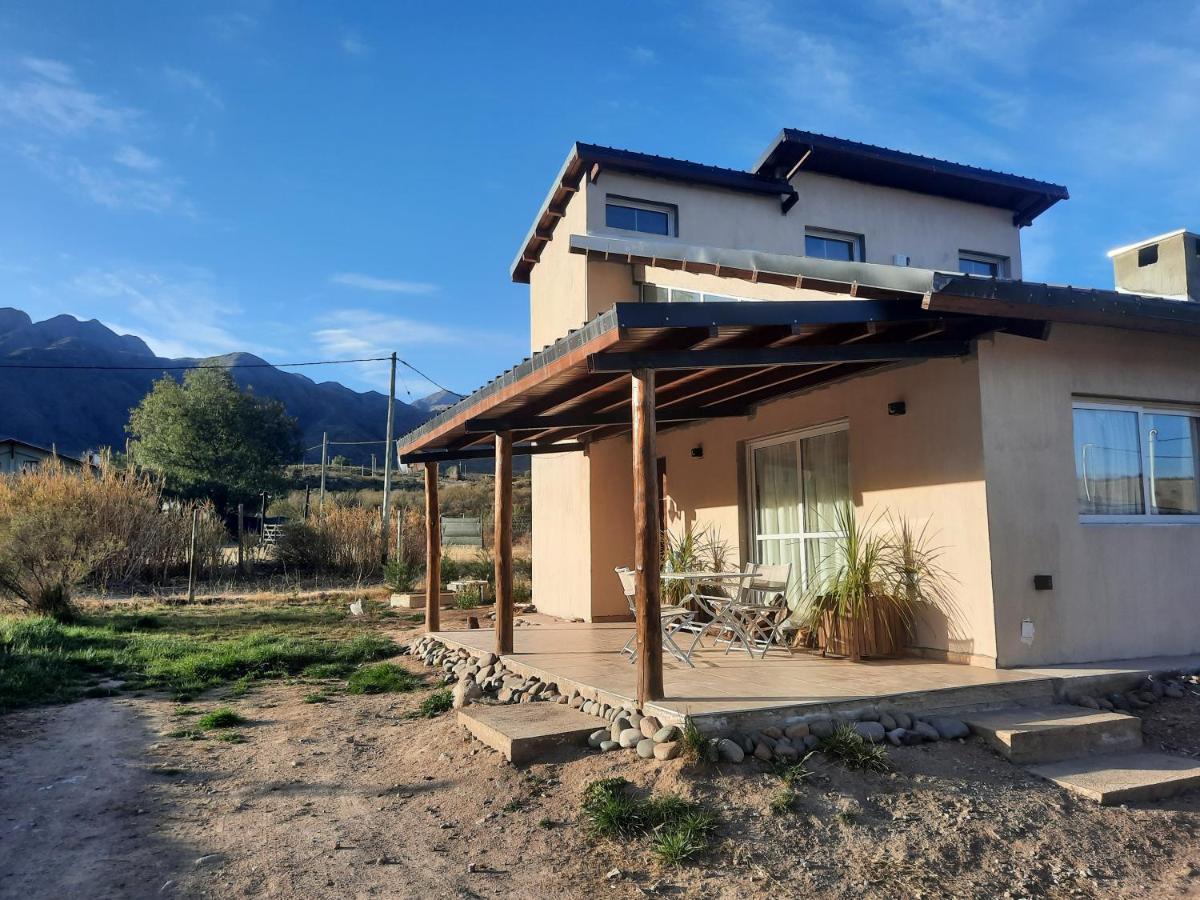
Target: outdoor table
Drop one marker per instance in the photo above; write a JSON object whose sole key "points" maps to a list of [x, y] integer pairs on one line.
{"points": [[463, 583], [693, 580]]}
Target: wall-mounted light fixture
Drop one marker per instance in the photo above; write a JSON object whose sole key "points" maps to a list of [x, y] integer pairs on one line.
{"points": [[897, 408], [1043, 582], [698, 452]]}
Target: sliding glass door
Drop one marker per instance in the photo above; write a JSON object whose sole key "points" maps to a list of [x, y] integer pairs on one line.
{"points": [[797, 483]]}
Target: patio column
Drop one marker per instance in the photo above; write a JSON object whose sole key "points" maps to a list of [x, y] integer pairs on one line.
{"points": [[433, 550], [502, 545], [645, 539]]}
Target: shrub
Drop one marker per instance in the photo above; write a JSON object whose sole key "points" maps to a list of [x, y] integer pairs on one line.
{"points": [[221, 717], [696, 747], [849, 748], [399, 576], [451, 570], [679, 829], [346, 540], [382, 678], [435, 704]]}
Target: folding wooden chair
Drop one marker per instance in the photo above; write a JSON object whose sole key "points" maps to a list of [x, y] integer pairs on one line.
{"points": [[763, 610], [671, 619]]}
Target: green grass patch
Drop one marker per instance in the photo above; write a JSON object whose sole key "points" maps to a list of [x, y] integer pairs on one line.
{"points": [[696, 747], [383, 678], [231, 737], [316, 697], [221, 717], [327, 670], [678, 829], [853, 751], [190, 652], [782, 801], [435, 704]]}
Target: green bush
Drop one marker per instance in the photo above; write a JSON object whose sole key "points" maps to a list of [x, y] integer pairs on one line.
{"points": [[853, 751], [221, 717], [382, 678], [399, 576], [435, 704]]}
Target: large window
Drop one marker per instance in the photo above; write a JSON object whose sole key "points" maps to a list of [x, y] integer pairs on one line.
{"points": [[797, 483], [637, 215], [657, 293], [1136, 463], [833, 245]]}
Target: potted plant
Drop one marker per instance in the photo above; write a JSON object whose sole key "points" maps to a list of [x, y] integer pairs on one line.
{"points": [[871, 586]]}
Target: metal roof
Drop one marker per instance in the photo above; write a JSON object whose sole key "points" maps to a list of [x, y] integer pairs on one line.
{"points": [[584, 158], [808, 151]]}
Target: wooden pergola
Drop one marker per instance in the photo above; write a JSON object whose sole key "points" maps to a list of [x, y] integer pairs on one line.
{"points": [[641, 367]]}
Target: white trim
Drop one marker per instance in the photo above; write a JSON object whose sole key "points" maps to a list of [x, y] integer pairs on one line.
{"points": [[1149, 516], [787, 437], [1139, 244]]}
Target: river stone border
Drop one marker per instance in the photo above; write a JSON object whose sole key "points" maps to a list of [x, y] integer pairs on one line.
{"points": [[484, 677]]}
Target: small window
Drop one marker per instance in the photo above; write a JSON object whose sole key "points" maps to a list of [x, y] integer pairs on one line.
{"points": [[982, 264], [833, 245], [1134, 463], [1147, 256], [634, 215]]}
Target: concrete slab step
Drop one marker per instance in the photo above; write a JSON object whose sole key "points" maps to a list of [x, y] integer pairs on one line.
{"points": [[1124, 777], [524, 732], [1051, 733]]}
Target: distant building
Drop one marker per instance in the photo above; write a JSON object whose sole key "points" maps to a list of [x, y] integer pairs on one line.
{"points": [[21, 456]]}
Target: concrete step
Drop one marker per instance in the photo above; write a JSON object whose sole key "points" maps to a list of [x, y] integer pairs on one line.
{"points": [[524, 732], [1051, 733], [1124, 777]]}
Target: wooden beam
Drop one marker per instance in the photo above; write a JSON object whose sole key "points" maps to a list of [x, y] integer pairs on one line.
{"points": [[645, 546], [587, 419], [735, 358], [451, 455], [433, 550], [502, 545]]}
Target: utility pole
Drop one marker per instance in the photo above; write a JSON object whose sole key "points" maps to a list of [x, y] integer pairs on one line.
{"points": [[387, 460], [324, 461]]}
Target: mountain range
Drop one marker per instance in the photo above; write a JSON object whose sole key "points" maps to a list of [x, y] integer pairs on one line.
{"points": [[78, 409]]}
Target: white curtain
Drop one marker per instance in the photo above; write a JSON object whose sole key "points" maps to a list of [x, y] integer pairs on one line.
{"points": [[1108, 462], [826, 473]]}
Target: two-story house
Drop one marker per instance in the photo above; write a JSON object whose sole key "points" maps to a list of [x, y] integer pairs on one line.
{"points": [[1048, 435]]}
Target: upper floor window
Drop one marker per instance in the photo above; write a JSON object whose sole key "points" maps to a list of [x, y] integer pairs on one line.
{"points": [[657, 293], [833, 245], [637, 215], [982, 264], [1136, 463]]}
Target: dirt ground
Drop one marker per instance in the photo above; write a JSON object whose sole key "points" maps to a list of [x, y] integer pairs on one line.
{"points": [[352, 799]]}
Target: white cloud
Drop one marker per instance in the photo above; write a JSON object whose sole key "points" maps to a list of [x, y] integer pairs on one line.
{"points": [[127, 188], [188, 80], [133, 158], [50, 100], [231, 27], [180, 312], [353, 45], [642, 55], [384, 285]]}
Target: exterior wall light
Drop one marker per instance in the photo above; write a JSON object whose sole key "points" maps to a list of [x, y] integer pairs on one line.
{"points": [[897, 408]]}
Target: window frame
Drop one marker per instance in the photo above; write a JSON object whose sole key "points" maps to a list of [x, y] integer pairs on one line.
{"points": [[751, 491], [1000, 262], [1149, 517], [669, 209], [645, 287], [857, 242]]}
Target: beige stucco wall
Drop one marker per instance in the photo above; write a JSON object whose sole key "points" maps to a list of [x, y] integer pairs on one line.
{"points": [[926, 465], [1120, 591], [558, 283], [562, 561], [930, 230]]}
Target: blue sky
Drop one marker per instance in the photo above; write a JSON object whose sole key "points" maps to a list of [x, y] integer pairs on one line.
{"points": [[326, 180]]}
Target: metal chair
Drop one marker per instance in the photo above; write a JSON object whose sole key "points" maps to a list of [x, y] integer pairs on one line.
{"points": [[722, 623], [763, 610], [671, 619]]}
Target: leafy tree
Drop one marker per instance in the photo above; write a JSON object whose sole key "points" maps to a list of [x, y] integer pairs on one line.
{"points": [[208, 438], [340, 460]]}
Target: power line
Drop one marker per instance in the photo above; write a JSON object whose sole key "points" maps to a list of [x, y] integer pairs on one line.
{"points": [[259, 365]]}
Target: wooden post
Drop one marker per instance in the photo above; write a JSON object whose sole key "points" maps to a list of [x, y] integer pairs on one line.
{"points": [[241, 539], [324, 463], [502, 543], [646, 547], [433, 550], [388, 450], [307, 496], [192, 556]]}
